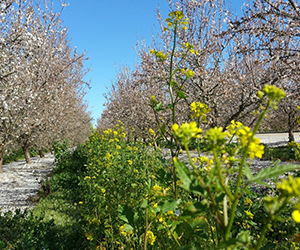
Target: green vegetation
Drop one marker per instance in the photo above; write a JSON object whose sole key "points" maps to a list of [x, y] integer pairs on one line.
{"points": [[108, 192], [290, 152], [114, 192], [55, 222], [17, 155]]}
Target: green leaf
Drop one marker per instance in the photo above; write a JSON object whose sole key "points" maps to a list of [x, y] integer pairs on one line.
{"points": [[169, 205], [169, 106], [144, 204], [183, 174], [181, 94], [195, 209], [274, 171], [127, 228], [162, 130], [158, 107], [247, 172], [126, 214], [127, 211], [188, 178]]}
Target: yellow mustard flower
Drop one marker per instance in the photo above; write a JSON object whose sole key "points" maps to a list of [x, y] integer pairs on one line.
{"points": [[121, 229], [151, 131], [200, 110], [187, 131], [216, 136], [157, 188], [150, 237], [248, 202], [290, 187], [249, 214], [296, 216], [170, 212]]}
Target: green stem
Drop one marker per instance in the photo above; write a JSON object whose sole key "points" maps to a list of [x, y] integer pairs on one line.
{"points": [[221, 179], [146, 229], [240, 174], [262, 236], [225, 211], [173, 113], [202, 183]]}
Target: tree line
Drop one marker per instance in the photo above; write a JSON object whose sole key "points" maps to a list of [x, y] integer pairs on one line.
{"points": [[42, 82], [231, 58]]}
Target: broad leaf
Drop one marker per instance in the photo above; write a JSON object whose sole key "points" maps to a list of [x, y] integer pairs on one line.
{"points": [[169, 205], [169, 106], [247, 172], [127, 214], [181, 94], [274, 171], [162, 130], [195, 209], [127, 228], [158, 107], [188, 178]]}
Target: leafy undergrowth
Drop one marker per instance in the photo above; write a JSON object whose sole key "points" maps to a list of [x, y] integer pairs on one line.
{"points": [[56, 222], [109, 194], [18, 155], [290, 152]]}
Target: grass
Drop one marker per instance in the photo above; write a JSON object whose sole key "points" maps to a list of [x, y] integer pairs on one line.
{"points": [[282, 153], [17, 155], [56, 222]]}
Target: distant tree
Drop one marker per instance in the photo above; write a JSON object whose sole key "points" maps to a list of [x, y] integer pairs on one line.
{"points": [[223, 79], [44, 84], [271, 28]]}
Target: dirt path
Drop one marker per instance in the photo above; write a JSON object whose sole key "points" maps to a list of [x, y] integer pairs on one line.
{"points": [[20, 181]]}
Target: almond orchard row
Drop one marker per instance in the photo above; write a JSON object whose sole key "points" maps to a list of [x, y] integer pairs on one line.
{"points": [[41, 79], [221, 60]]}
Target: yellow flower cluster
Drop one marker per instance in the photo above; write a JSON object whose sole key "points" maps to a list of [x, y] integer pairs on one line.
{"points": [[244, 135], [200, 110], [189, 47], [175, 19], [293, 144], [159, 55], [150, 237], [248, 202], [291, 188], [216, 136], [273, 94], [186, 132], [206, 162], [152, 133], [157, 188], [188, 73], [249, 214]]}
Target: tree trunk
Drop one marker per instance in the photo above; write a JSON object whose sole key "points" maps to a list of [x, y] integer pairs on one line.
{"points": [[41, 153], [1, 161], [26, 154], [291, 135]]}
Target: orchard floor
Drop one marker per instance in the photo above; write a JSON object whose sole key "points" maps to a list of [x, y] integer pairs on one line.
{"points": [[20, 182]]}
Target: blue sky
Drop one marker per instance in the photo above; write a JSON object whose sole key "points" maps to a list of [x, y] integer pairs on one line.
{"points": [[108, 30]]}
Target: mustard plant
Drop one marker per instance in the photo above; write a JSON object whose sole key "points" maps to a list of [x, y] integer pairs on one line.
{"points": [[220, 178]]}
